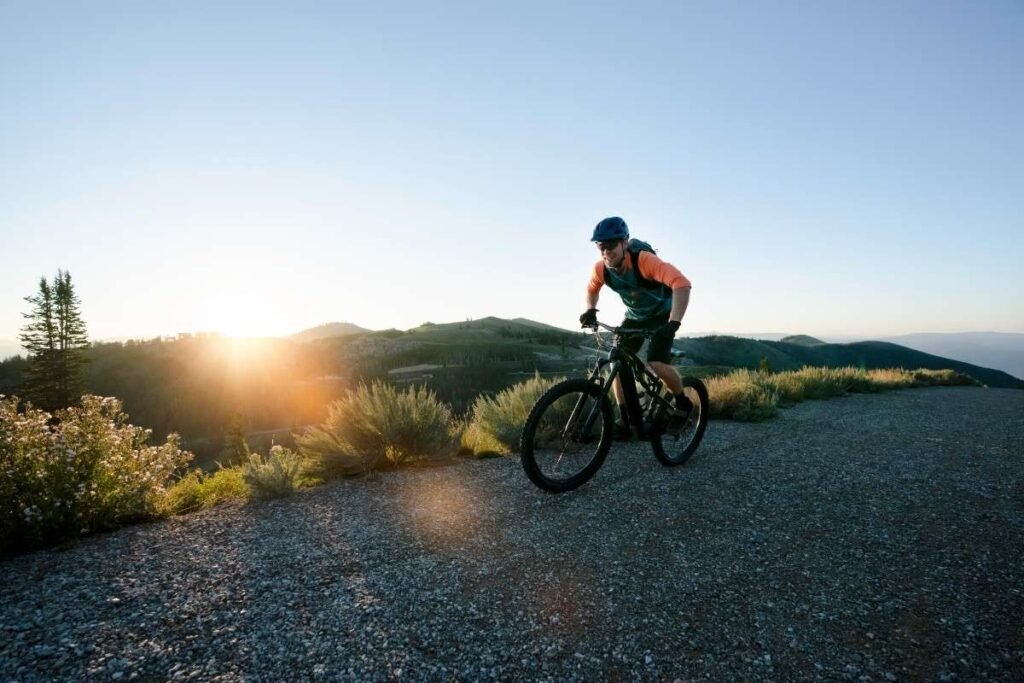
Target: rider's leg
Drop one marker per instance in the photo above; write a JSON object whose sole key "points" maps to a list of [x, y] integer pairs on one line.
{"points": [[670, 376], [620, 398], [633, 344], [622, 422]]}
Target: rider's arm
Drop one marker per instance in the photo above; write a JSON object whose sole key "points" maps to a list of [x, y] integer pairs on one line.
{"points": [[653, 268], [680, 300], [595, 284]]}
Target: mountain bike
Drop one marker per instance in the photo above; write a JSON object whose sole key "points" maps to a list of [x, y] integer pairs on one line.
{"points": [[571, 427]]}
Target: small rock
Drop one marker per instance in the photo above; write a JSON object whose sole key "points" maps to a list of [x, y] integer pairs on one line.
{"points": [[43, 651]]}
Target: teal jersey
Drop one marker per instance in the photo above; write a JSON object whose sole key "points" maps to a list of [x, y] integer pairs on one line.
{"points": [[642, 303]]}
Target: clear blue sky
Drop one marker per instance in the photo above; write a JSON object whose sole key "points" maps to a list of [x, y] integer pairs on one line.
{"points": [[813, 167]]}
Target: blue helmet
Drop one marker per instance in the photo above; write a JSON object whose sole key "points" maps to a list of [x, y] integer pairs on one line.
{"points": [[613, 228]]}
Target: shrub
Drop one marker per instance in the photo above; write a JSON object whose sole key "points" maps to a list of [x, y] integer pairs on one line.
{"points": [[890, 378], [196, 491], [745, 395], [80, 470], [787, 385], [946, 378], [475, 441], [496, 423], [272, 476], [742, 395], [810, 383], [379, 425]]}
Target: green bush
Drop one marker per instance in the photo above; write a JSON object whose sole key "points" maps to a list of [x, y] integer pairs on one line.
{"points": [[743, 395], [810, 383], [945, 378], [272, 476], [496, 423], [376, 426], [77, 471], [196, 491], [753, 396]]}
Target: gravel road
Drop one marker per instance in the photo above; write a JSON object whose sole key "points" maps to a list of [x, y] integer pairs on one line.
{"points": [[864, 538]]}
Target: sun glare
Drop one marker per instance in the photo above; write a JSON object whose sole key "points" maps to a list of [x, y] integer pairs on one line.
{"points": [[239, 315], [243, 350]]}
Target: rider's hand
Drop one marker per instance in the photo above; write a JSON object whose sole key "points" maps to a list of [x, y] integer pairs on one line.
{"points": [[668, 330], [589, 319]]}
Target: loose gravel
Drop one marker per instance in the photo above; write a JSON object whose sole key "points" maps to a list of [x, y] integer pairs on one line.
{"points": [[863, 538]]}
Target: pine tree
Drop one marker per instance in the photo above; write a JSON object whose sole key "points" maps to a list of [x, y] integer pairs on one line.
{"points": [[39, 338], [236, 450], [54, 338], [72, 339]]}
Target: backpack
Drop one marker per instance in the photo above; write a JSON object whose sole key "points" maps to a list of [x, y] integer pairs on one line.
{"points": [[634, 247]]}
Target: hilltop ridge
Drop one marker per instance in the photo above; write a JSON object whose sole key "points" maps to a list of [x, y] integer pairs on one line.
{"points": [[326, 331], [803, 339], [523, 338]]}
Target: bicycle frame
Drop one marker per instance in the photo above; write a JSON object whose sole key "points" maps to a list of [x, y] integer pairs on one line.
{"points": [[622, 362], [559, 465]]}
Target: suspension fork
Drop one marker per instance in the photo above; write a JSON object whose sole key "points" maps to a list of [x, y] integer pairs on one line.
{"points": [[595, 410], [618, 367]]}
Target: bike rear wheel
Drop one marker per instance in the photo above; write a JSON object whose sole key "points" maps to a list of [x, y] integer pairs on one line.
{"points": [[676, 447], [567, 435]]}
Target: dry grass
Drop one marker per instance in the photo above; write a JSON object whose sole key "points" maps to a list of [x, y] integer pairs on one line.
{"points": [[497, 422], [753, 396]]}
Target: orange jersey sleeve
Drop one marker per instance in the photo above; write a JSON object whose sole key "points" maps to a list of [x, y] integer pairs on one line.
{"points": [[651, 267], [656, 270], [596, 278]]}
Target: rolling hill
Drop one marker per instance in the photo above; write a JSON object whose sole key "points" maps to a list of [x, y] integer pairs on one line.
{"points": [[326, 331], [521, 340], [802, 339]]}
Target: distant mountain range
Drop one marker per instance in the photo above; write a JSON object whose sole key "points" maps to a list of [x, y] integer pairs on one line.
{"points": [[1002, 350]]}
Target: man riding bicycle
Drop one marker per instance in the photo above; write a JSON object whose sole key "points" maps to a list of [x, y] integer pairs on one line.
{"points": [[655, 294]]}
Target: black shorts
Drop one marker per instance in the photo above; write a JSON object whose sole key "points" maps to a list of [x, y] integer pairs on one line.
{"points": [[658, 348]]}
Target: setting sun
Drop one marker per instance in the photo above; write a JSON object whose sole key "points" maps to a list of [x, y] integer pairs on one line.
{"points": [[235, 312]]}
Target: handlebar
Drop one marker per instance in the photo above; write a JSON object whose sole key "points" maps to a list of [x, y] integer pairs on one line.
{"points": [[624, 332], [621, 331]]}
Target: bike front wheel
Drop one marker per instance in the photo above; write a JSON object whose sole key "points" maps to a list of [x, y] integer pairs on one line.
{"points": [[567, 435], [675, 446]]}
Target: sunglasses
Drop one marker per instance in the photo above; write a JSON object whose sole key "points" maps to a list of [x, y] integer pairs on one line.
{"points": [[608, 246]]}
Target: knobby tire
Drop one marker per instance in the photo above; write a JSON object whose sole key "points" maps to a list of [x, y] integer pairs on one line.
{"points": [[675, 450], [555, 455]]}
